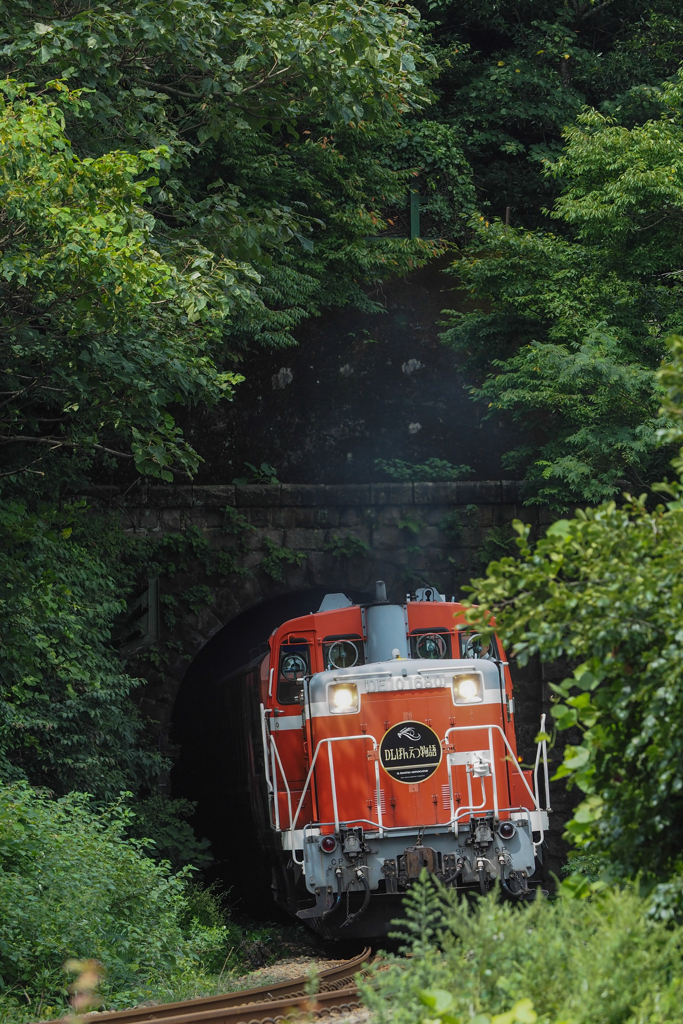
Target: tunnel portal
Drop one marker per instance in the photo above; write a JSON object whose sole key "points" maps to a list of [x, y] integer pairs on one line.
{"points": [[203, 772]]}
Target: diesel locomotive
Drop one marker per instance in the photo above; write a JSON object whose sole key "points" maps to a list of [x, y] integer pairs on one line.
{"points": [[378, 740]]}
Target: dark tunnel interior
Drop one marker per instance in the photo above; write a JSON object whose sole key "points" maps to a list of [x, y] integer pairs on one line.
{"points": [[203, 772]]}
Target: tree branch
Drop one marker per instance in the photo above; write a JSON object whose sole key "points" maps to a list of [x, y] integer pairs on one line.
{"points": [[57, 443]]}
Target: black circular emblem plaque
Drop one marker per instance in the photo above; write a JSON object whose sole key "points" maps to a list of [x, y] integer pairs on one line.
{"points": [[410, 752]]}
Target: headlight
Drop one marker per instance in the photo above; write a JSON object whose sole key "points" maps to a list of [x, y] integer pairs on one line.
{"points": [[467, 689], [342, 698]]}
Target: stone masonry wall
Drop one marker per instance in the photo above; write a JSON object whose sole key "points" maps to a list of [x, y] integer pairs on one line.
{"points": [[410, 535]]}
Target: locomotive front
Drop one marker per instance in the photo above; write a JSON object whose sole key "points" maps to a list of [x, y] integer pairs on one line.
{"points": [[388, 748]]}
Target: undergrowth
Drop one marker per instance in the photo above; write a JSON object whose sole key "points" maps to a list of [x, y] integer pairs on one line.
{"points": [[75, 887], [603, 960]]}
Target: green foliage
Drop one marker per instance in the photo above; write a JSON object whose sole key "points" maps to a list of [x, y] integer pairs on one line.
{"points": [[65, 718], [278, 558], [413, 528], [454, 523], [347, 546], [235, 522], [269, 131], [432, 469], [447, 195], [164, 821], [198, 598], [603, 591], [576, 332], [512, 77], [366, 68], [410, 524], [73, 886], [598, 961], [670, 378], [100, 331], [498, 541], [263, 474], [443, 1003]]}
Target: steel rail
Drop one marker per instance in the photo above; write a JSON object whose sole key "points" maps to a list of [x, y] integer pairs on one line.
{"points": [[271, 1010], [265, 1003]]}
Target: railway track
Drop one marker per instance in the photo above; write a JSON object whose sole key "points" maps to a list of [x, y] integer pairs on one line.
{"points": [[267, 1004]]}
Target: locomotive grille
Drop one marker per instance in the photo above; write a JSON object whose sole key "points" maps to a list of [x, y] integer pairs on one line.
{"points": [[382, 800]]}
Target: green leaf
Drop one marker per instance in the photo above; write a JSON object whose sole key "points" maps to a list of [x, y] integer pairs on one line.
{"points": [[437, 999]]}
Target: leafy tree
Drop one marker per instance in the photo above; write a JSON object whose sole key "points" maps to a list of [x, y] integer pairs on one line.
{"points": [[66, 720], [577, 330], [221, 177], [603, 590], [100, 333], [165, 822], [275, 119], [432, 469], [513, 76]]}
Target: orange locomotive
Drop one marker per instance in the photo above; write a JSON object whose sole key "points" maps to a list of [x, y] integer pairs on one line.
{"points": [[384, 744]]}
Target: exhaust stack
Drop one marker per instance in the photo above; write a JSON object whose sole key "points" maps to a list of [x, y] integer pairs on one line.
{"points": [[386, 626]]}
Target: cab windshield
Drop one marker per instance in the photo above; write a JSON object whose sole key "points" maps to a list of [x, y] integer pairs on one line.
{"points": [[295, 663]]}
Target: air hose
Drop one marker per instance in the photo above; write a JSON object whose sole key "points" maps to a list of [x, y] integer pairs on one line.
{"points": [[481, 868], [452, 878], [522, 892], [366, 885], [337, 901]]}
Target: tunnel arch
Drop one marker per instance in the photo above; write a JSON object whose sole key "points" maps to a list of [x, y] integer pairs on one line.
{"points": [[202, 772]]}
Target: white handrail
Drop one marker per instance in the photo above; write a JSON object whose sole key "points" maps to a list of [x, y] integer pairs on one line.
{"points": [[333, 784], [545, 767], [284, 779], [495, 787], [536, 763], [454, 815], [489, 728], [470, 728], [266, 755], [470, 807], [277, 794], [338, 739]]}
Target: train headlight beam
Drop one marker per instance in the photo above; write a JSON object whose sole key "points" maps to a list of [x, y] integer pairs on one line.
{"points": [[468, 689], [343, 698]]}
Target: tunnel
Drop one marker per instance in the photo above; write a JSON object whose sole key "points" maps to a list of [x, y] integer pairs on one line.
{"points": [[201, 730], [205, 733]]}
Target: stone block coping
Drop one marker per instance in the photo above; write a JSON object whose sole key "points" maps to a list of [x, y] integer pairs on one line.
{"points": [[460, 492]]}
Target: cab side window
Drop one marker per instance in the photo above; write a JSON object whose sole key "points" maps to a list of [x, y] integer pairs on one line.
{"points": [[343, 651], [473, 645], [295, 663], [430, 644]]}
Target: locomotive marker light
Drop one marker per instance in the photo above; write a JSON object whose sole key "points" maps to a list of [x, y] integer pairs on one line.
{"points": [[468, 689], [506, 830], [342, 698], [328, 844]]}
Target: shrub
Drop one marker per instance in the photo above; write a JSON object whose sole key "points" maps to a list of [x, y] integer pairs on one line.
{"points": [[603, 960], [72, 886]]}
